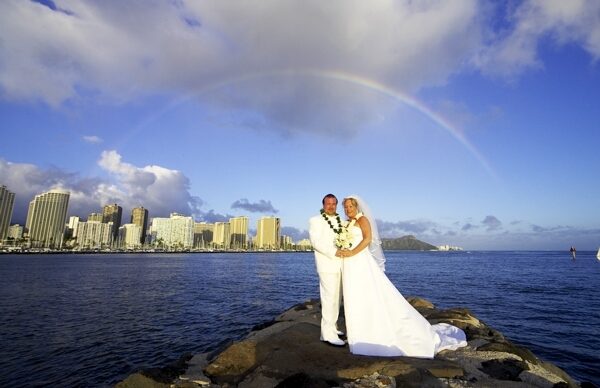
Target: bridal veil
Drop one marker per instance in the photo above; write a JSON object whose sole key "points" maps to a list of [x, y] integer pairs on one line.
{"points": [[375, 245]]}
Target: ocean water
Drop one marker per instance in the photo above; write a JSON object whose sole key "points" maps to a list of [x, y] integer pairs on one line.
{"points": [[73, 320]]}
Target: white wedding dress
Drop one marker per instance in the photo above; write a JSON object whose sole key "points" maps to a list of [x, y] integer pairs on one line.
{"points": [[379, 321]]}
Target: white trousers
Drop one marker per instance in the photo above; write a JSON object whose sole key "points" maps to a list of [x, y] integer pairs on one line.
{"points": [[330, 288]]}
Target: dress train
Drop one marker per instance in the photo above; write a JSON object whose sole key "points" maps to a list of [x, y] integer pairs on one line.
{"points": [[380, 321]]}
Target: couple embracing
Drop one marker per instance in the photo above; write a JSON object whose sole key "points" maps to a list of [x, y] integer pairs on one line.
{"points": [[379, 321]]}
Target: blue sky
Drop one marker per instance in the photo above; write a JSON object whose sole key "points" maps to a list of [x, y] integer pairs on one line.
{"points": [[460, 122]]}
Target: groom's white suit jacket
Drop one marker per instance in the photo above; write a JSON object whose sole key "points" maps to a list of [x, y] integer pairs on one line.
{"points": [[322, 239]]}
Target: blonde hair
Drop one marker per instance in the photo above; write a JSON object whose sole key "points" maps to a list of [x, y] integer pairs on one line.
{"points": [[351, 199]]}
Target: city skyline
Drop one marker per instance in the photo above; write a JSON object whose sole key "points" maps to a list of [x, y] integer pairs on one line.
{"points": [[49, 225], [466, 123], [139, 215]]}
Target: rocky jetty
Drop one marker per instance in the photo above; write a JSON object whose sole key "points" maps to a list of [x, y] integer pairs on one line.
{"points": [[287, 352]]}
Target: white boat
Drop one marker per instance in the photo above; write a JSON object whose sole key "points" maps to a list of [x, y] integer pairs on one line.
{"points": [[598, 254]]}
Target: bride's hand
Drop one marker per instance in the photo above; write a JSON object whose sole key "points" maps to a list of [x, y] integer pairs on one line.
{"points": [[343, 253]]}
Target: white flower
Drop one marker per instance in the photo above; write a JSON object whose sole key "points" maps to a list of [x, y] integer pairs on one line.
{"points": [[343, 240]]}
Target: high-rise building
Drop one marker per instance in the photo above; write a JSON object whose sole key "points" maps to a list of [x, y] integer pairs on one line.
{"points": [[94, 235], [203, 234], [238, 228], [95, 217], [46, 218], [15, 232], [113, 213], [286, 242], [139, 217], [267, 233], [129, 236], [7, 202], [222, 235], [72, 227], [174, 232]]}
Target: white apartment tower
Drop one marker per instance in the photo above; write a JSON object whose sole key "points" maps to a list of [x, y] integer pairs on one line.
{"points": [[15, 232], [174, 232], [130, 236], [267, 233], [94, 235], [46, 218], [238, 227], [7, 202], [73, 222]]}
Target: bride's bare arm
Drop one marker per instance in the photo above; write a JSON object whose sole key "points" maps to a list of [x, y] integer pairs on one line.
{"points": [[365, 226]]}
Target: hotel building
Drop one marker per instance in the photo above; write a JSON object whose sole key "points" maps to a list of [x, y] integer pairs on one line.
{"points": [[46, 219], [203, 234], [174, 232], [130, 236], [286, 242], [72, 226], [113, 213], [94, 234], [95, 217], [7, 202], [238, 227], [15, 232], [267, 233], [222, 235], [139, 216]]}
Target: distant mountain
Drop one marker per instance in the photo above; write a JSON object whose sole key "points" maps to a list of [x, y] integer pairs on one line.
{"points": [[406, 243]]}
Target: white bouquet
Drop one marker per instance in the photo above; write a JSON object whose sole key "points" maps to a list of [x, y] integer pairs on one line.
{"points": [[343, 239]]}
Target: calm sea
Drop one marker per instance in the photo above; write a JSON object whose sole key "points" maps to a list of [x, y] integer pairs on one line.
{"points": [[91, 320]]}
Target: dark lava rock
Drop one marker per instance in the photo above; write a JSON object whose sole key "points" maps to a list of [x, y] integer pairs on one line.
{"points": [[302, 380], [504, 369]]}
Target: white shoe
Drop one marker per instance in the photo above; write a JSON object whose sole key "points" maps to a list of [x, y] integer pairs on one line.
{"points": [[334, 342], [339, 332]]}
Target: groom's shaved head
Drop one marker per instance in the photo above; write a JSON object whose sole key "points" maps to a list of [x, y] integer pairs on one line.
{"points": [[329, 196]]}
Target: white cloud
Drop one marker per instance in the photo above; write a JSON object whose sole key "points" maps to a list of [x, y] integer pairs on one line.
{"points": [[512, 51], [159, 189], [28, 180], [238, 55], [396, 229], [92, 139], [262, 206], [121, 52]]}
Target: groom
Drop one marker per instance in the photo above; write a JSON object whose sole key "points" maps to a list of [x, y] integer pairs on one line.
{"points": [[329, 267]]}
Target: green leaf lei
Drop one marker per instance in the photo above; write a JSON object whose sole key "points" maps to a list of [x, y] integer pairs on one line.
{"points": [[337, 218]]}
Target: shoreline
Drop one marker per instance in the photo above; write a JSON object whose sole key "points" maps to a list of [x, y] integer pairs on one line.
{"points": [[105, 252], [286, 351]]}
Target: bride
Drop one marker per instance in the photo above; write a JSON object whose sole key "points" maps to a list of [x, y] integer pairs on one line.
{"points": [[379, 321]]}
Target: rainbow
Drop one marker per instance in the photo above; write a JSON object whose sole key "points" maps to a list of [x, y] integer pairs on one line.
{"points": [[348, 78]]}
